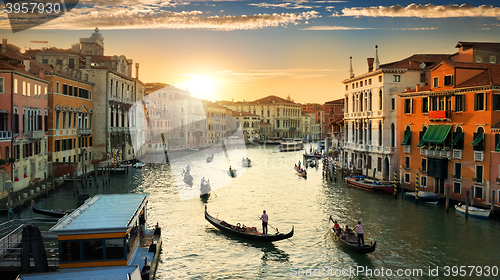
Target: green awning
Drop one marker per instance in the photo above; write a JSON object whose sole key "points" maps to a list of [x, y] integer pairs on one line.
{"points": [[459, 136], [478, 139], [420, 144], [497, 148], [407, 137], [435, 134]]}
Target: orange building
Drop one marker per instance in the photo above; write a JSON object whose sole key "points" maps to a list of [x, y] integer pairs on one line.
{"points": [[447, 133], [70, 119]]}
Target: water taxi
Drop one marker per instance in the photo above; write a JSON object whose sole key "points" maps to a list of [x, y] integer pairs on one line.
{"points": [[108, 230], [291, 146]]}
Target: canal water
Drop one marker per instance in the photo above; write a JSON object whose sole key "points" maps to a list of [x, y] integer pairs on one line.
{"points": [[411, 238]]}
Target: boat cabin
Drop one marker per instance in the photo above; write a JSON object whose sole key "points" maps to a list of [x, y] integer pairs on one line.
{"points": [[291, 146], [106, 231]]}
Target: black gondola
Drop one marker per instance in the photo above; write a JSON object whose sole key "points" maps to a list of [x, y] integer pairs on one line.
{"points": [[353, 244], [238, 231], [209, 159], [49, 212]]}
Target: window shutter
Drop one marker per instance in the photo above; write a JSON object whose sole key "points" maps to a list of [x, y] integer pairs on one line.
{"points": [[475, 102]]}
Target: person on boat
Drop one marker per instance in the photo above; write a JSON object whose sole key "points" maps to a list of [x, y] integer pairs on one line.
{"points": [[243, 159], [347, 230], [264, 219], [299, 164], [188, 169], [230, 169], [202, 182], [336, 226], [359, 229]]}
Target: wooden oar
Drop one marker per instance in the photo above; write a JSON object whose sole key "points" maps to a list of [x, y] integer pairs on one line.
{"points": [[277, 231]]}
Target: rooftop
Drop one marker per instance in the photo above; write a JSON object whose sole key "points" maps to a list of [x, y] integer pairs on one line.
{"points": [[103, 213]]}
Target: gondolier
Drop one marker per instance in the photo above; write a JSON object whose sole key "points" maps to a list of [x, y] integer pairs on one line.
{"points": [[359, 230], [265, 219]]}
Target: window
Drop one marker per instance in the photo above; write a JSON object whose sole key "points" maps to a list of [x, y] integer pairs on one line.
{"points": [[15, 86], [397, 78], [425, 105], [408, 106], [457, 173], [2, 85], [57, 87], [479, 59], [457, 187], [115, 249], [369, 81], [407, 178], [70, 251], [448, 80], [71, 63], [478, 140], [58, 113], [422, 78], [493, 59], [380, 99], [361, 84], [460, 103], [407, 162], [478, 192], [423, 181], [479, 173], [393, 104], [379, 164], [435, 82], [496, 101], [65, 89], [57, 146], [479, 101], [379, 79], [45, 61], [24, 88], [59, 61], [423, 165], [346, 87]]}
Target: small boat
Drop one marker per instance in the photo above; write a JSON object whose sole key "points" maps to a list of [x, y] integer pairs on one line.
{"points": [[49, 212], [427, 197], [361, 182], [209, 159], [473, 211], [351, 242], [246, 162], [138, 165], [194, 149], [205, 190], [188, 179], [311, 163], [246, 232], [232, 172]]}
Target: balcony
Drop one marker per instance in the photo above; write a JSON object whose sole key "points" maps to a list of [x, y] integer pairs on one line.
{"points": [[478, 156], [35, 134], [5, 135], [407, 149], [444, 115], [435, 153], [457, 154], [83, 131]]}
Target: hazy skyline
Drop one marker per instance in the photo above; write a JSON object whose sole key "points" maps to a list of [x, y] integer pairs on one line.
{"points": [[223, 50]]}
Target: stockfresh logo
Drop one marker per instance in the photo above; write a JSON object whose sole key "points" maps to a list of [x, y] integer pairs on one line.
{"points": [[28, 14]]}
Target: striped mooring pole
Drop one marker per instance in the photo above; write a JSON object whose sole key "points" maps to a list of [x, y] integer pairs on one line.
{"points": [[395, 183], [416, 188]]}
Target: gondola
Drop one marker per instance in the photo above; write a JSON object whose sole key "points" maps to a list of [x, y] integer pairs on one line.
{"points": [[246, 162], [188, 179], [241, 232], [49, 212], [301, 172], [352, 243], [205, 190], [361, 182], [232, 173], [209, 159]]}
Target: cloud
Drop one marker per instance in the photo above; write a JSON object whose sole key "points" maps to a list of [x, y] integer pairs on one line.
{"points": [[337, 28], [266, 74], [297, 4], [424, 11], [415, 28], [144, 18]]}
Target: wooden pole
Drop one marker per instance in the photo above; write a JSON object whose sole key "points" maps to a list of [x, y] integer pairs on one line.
{"points": [[85, 174], [472, 196], [53, 181], [75, 180], [95, 176], [467, 204], [103, 177], [45, 181], [447, 199], [492, 202]]}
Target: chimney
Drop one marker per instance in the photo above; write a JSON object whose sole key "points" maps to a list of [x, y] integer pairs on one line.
{"points": [[370, 64], [4, 45], [88, 62], [137, 71], [377, 63], [27, 65], [351, 73], [417, 87]]}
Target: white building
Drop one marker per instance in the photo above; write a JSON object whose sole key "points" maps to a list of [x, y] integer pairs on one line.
{"points": [[371, 112]]}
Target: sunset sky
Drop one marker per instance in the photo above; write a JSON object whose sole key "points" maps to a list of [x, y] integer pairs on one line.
{"points": [[223, 50]]}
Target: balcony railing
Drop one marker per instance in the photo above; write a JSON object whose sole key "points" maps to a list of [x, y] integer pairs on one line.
{"points": [[35, 134], [5, 135], [457, 154], [407, 149], [435, 153], [83, 131], [478, 156]]}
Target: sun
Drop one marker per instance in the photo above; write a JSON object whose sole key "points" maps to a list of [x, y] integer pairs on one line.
{"points": [[200, 86]]}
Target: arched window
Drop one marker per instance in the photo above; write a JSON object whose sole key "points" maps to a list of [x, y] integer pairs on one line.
{"points": [[393, 135], [380, 99], [380, 134]]}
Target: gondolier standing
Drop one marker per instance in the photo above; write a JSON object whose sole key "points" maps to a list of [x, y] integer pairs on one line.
{"points": [[264, 219], [359, 230]]}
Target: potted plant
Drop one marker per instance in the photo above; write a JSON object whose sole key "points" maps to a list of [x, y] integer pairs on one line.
{"points": [[424, 147], [438, 148], [474, 179], [447, 148], [432, 148]]}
